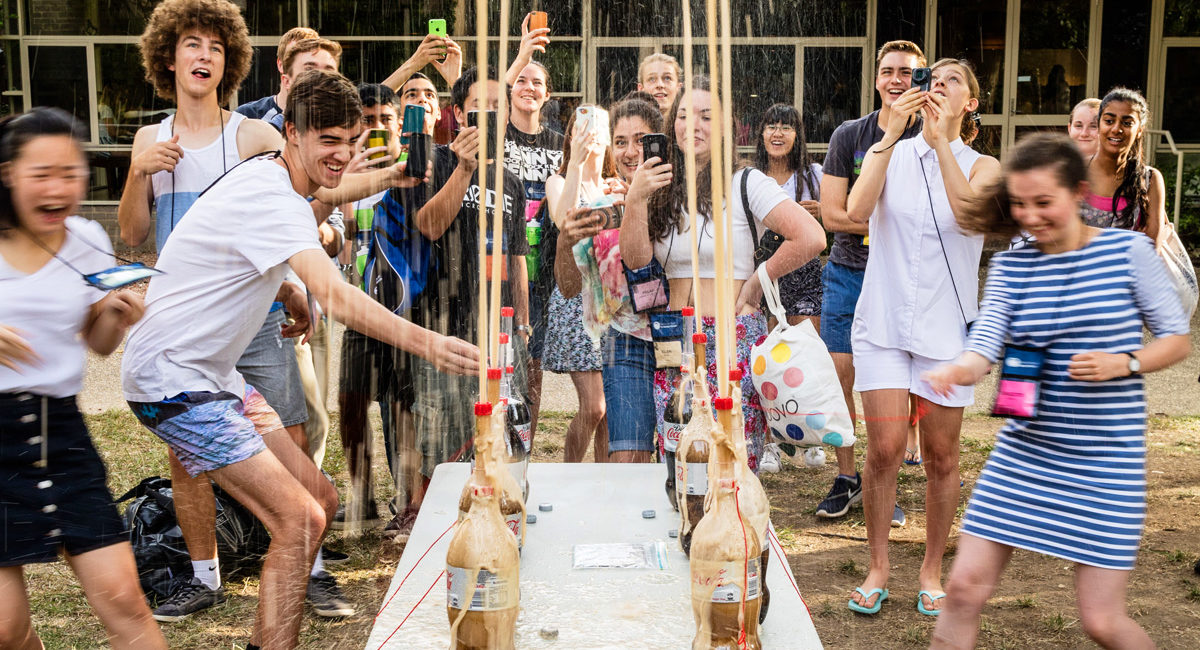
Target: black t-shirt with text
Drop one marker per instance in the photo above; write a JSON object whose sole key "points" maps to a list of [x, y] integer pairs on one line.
{"points": [[449, 304], [847, 147]]}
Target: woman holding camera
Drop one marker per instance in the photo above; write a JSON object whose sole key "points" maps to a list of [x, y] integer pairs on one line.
{"points": [[656, 227], [919, 296], [583, 178]]}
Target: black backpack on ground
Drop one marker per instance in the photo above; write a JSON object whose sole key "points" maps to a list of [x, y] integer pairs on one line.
{"points": [[158, 548]]}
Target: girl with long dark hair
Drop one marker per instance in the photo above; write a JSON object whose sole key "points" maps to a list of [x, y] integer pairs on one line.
{"points": [[54, 492]]}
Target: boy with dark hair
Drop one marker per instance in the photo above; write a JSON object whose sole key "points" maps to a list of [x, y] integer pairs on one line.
{"points": [[843, 276], [443, 418], [178, 371], [308, 53]]}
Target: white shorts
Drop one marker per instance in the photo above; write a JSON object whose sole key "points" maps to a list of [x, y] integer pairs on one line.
{"points": [[877, 368]]}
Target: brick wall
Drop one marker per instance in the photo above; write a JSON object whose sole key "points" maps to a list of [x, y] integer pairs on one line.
{"points": [[56, 17]]}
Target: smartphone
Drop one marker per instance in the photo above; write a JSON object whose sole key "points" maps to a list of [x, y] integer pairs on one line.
{"points": [[921, 77], [437, 27], [538, 20], [473, 120], [607, 211], [654, 144], [593, 119], [414, 119], [378, 138], [120, 276]]}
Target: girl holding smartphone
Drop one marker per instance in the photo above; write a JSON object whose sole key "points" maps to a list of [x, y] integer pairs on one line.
{"points": [[919, 295], [54, 493], [656, 227]]}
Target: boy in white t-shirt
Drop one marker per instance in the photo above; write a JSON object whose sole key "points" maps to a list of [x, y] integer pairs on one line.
{"points": [[178, 372]]}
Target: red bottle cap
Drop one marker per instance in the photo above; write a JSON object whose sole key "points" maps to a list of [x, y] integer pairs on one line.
{"points": [[688, 312], [506, 312], [503, 339], [735, 374], [494, 373], [508, 370], [723, 403], [699, 337], [483, 408]]}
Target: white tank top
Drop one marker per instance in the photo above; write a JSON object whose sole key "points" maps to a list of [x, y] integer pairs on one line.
{"points": [[175, 193]]}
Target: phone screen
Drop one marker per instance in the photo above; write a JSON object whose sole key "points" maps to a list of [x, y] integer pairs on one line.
{"points": [[120, 276]]}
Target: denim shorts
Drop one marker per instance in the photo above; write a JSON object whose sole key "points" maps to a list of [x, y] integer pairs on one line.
{"points": [[628, 372], [269, 364], [207, 430], [842, 285]]}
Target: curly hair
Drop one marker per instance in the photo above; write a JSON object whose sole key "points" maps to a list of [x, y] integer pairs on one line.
{"points": [[171, 19]]}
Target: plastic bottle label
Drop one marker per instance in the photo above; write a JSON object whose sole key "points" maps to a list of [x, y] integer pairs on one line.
{"points": [[513, 522], [725, 579], [526, 435], [671, 434], [697, 478], [491, 591]]}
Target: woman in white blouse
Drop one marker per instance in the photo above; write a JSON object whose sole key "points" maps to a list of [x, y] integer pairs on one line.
{"points": [[920, 293]]}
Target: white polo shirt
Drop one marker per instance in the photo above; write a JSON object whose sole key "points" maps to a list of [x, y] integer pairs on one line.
{"points": [[908, 301]]}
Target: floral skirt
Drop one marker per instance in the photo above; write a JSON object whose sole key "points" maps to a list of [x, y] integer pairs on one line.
{"points": [[569, 347], [750, 328]]}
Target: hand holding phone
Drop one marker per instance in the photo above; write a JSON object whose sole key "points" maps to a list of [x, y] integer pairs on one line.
{"points": [[538, 20], [594, 120], [437, 27], [654, 145]]}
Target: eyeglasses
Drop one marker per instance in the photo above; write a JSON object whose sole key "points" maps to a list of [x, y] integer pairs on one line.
{"points": [[779, 128]]}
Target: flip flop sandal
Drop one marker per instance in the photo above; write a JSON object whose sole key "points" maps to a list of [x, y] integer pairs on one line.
{"points": [[932, 600], [855, 607], [915, 453]]}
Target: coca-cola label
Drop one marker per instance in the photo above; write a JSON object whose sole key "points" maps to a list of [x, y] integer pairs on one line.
{"points": [[671, 434], [525, 431], [513, 522], [490, 592], [697, 478], [725, 579]]}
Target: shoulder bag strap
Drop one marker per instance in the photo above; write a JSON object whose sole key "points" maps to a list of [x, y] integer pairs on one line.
{"points": [[746, 207]]}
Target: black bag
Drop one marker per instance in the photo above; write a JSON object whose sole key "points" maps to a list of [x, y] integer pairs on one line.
{"points": [[158, 548], [771, 240]]}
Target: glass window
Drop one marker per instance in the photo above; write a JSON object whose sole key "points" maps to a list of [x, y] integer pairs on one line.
{"points": [[1181, 18], [58, 18], [988, 140], [263, 79], [126, 101], [267, 17], [1125, 28], [760, 81], [1181, 103], [565, 17], [1052, 59], [62, 80], [10, 26], [974, 30], [662, 18], [1022, 131], [10, 78], [373, 61], [832, 89], [109, 171], [900, 20], [616, 71], [333, 18]]}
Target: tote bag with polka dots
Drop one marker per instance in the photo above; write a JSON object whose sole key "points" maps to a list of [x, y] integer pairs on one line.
{"points": [[796, 382]]}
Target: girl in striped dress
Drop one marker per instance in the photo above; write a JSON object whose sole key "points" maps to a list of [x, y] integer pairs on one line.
{"points": [[1070, 481]]}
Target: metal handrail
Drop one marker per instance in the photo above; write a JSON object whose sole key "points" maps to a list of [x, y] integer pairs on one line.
{"points": [[1178, 169]]}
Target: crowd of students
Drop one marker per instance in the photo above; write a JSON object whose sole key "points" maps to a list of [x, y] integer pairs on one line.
{"points": [[273, 218]]}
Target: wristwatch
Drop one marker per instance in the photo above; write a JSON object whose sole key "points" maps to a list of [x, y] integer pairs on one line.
{"points": [[1135, 366], [524, 329]]}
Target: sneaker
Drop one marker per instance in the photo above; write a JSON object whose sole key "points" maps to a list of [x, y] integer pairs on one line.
{"points": [[370, 517], [326, 597], [770, 459], [332, 557], [189, 599], [898, 519], [400, 527], [842, 495]]}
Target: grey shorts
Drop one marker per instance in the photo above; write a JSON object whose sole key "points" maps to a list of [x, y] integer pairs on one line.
{"points": [[269, 364]]}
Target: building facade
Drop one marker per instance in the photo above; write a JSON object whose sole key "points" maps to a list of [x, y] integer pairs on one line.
{"points": [[1035, 59]]}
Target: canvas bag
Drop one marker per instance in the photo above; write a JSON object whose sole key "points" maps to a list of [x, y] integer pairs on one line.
{"points": [[796, 381], [1180, 270]]}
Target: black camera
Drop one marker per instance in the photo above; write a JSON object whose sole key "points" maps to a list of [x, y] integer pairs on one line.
{"points": [[921, 78]]}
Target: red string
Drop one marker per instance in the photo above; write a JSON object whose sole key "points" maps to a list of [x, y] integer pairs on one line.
{"points": [[414, 568], [414, 608], [742, 642], [783, 558]]}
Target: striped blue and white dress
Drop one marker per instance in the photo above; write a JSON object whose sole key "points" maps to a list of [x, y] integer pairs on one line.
{"points": [[1072, 483]]}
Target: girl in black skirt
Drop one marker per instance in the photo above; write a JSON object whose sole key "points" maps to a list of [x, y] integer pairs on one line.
{"points": [[53, 494]]}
